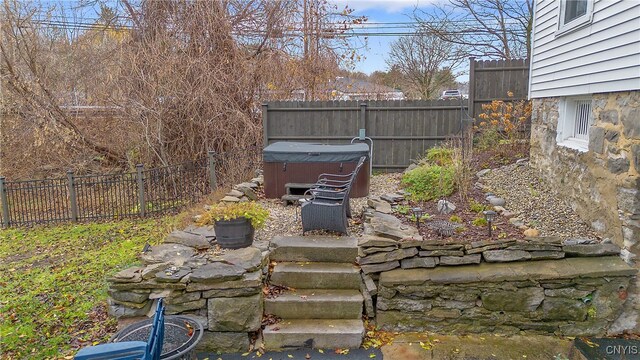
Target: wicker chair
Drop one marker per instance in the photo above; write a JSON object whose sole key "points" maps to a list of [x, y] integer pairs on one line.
{"points": [[333, 185], [328, 207]]}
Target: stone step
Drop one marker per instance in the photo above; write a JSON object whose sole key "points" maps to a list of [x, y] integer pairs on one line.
{"points": [[314, 248], [316, 304], [316, 275], [314, 333]]}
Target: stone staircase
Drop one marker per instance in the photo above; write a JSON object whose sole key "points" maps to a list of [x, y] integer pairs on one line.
{"points": [[324, 309]]}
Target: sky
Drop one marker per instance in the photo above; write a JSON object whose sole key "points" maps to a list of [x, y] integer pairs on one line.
{"points": [[381, 11]]}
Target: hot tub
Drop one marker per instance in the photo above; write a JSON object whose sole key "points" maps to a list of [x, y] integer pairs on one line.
{"points": [[301, 163]]}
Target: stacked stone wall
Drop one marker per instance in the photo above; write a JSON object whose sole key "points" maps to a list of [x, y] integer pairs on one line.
{"points": [[603, 183]]}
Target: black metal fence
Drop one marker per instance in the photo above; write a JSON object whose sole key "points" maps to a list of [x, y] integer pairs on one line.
{"points": [[145, 192]]}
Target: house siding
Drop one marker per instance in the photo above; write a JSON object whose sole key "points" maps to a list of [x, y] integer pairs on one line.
{"points": [[603, 56]]}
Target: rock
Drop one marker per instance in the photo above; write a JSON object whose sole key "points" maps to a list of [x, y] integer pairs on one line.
{"points": [[129, 275], [235, 314], [591, 250], [564, 309], [207, 231], [505, 255], [618, 165], [230, 199], [496, 201], [392, 198], [175, 254], [224, 342], [570, 293], [195, 241], [532, 233], [248, 192], [546, 255], [119, 311], [249, 258], [579, 241], [379, 205], [258, 180], [522, 161], [172, 274], [631, 124], [499, 209], [248, 280], [249, 185], [369, 308], [419, 262], [217, 272], [369, 285], [410, 242], [427, 253], [383, 257], [173, 309], [460, 260], [483, 172], [516, 222], [183, 297], [231, 293], [445, 207], [376, 268], [404, 304], [393, 230], [235, 193], [373, 250], [485, 243], [596, 139], [129, 296], [521, 299]]}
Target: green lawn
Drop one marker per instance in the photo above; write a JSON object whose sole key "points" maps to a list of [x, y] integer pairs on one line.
{"points": [[52, 283]]}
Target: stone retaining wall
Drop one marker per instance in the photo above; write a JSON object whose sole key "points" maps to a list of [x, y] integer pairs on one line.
{"points": [[222, 288], [603, 184], [573, 296]]}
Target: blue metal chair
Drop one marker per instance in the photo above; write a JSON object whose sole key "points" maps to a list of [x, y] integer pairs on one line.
{"points": [[130, 350]]}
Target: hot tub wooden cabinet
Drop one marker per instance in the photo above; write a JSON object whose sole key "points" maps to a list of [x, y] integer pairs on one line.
{"points": [[301, 163]]}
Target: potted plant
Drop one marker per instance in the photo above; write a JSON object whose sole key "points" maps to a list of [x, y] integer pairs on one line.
{"points": [[235, 223]]}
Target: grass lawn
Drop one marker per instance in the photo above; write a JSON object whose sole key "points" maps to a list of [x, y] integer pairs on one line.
{"points": [[52, 283]]}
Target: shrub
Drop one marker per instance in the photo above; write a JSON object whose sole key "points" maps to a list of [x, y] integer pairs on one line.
{"points": [[429, 182], [439, 155], [479, 221], [477, 207], [503, 123], [250, 210], [455, 219], [402, 209]]}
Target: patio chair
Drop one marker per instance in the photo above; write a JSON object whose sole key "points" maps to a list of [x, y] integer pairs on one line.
{"points": [[327, 209], [130, 350], [331, 185]]}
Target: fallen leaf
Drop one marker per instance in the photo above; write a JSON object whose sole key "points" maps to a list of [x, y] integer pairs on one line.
{"points": [[290, 356], [307, 356], [321, 351], [372, 355]]}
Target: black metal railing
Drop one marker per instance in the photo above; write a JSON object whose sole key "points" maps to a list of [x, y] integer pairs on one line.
{"points": [[145, 192]]}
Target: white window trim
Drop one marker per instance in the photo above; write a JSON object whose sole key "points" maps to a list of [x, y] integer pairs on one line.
{"points": [[576, 23], [566, 124]]}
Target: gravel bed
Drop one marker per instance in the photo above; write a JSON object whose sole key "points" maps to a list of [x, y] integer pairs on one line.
{"points": [[285, 220], [532, 200]]}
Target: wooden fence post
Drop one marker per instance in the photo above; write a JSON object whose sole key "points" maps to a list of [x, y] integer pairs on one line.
{"points": [[265, 119], [73, 199], [213, 181], [141, 202], [5, 204], [472, 87]]}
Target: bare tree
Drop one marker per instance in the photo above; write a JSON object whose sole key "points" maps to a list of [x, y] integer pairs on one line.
{"points": [[425, 61], [487, 28]]}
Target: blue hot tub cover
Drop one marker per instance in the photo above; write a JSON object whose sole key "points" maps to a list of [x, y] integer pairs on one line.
{"points": [[299, 152]]}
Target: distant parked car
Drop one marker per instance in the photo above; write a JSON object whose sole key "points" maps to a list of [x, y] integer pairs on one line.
{"points": [[451, 94]]}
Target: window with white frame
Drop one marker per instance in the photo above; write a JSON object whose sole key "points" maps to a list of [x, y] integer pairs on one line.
{"points": [[575, 118], [573, 14]]}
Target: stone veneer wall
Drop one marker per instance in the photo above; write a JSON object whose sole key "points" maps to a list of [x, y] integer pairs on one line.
{"points": [[603, 184], [573, 296]]}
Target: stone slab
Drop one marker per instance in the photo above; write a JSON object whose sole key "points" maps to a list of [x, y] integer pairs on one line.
{"points": [[505, 255], [419, 262], [217, 272], [318, 334], [314, 248], [224, 342], [248, 280], [316, 275], [249, 258], [174, 253], [195, 241], [376, 268], [460, 260], [568, 268], [383, 257], [591, 250], [240, 314], [376, 241], [316, 304]]}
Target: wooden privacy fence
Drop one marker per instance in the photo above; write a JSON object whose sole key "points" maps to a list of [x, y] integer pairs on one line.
{"points": [[400, 130], [145, 192], [491, 80]]}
